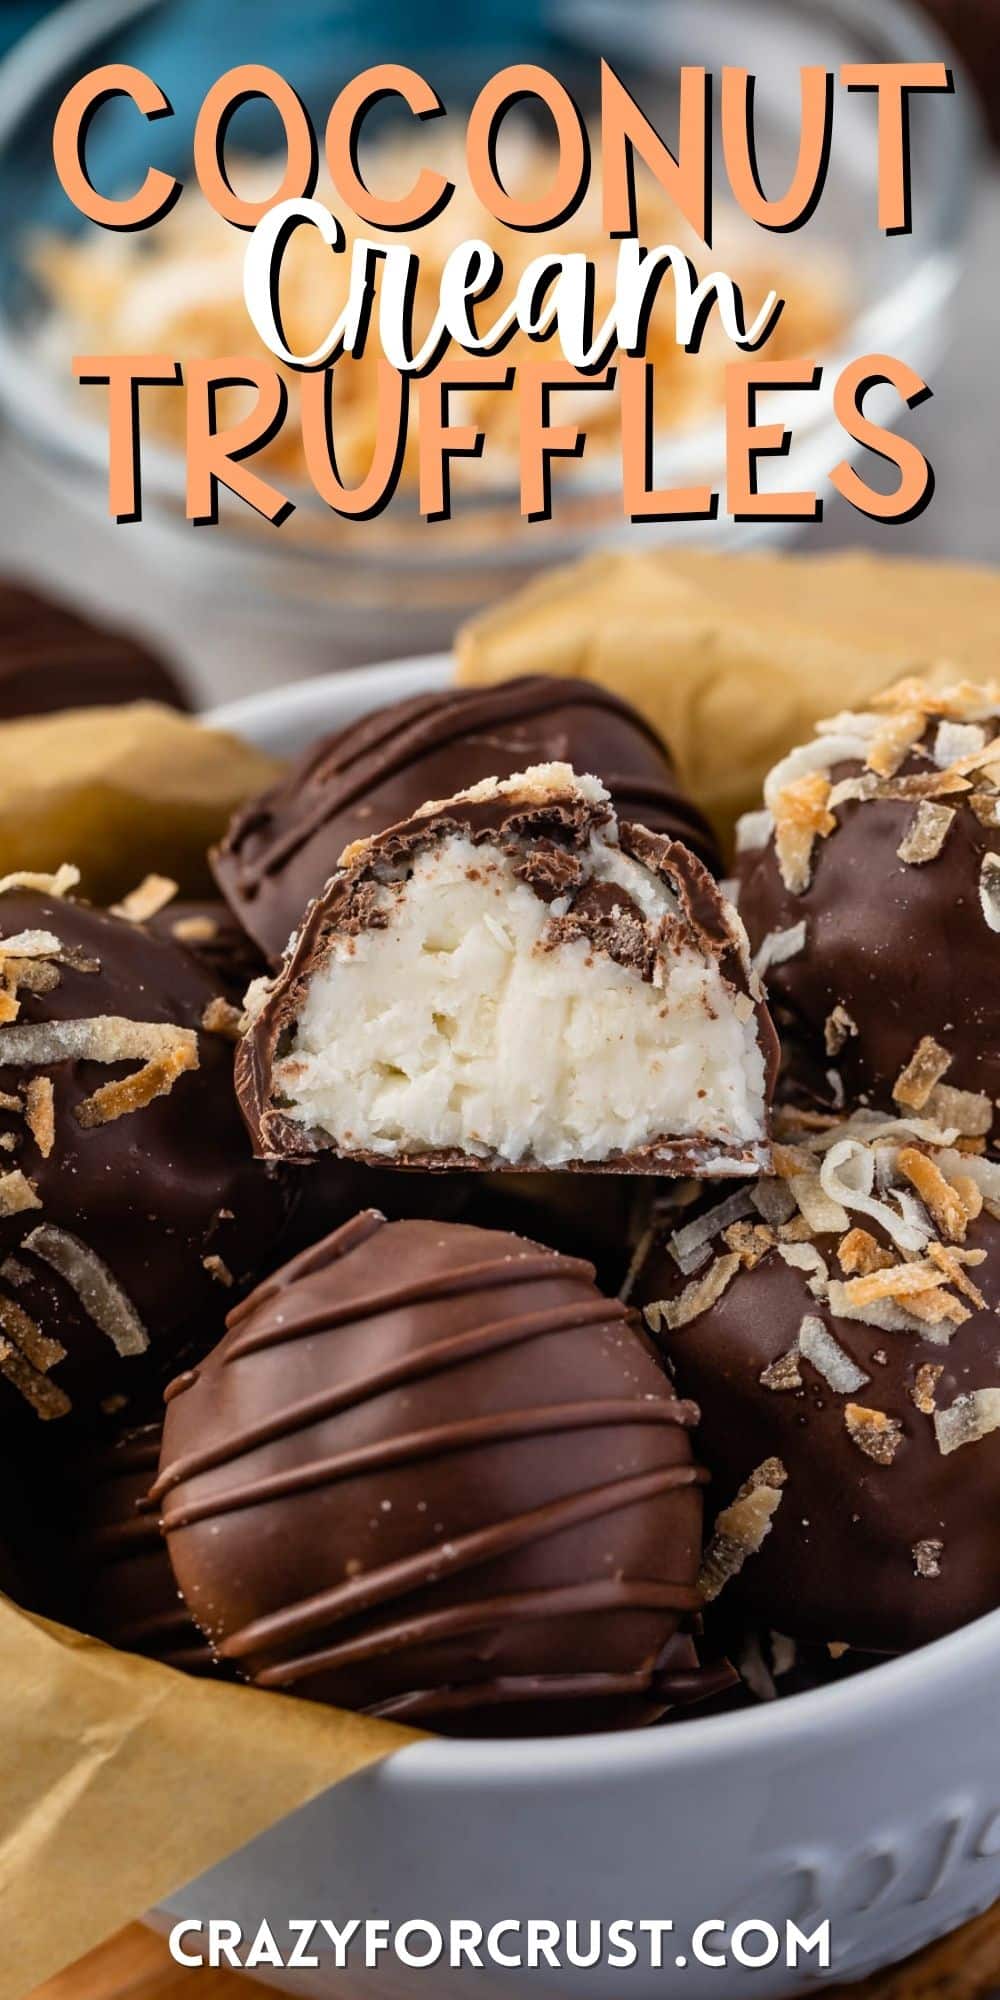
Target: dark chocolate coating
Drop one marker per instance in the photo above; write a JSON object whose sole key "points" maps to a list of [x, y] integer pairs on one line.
{"points": [[226, 952], [282, 848], [152, 1193], [546, 838], [905, 949], [431, 1473], [126, 1592], [53, 658], [837, 1565]]}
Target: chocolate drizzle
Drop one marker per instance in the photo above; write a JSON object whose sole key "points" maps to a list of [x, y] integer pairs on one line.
{"points": [[467, 1493], [281, 849]]}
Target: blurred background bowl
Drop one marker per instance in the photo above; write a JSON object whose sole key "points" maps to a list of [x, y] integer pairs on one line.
{"points": [[389, 585]]}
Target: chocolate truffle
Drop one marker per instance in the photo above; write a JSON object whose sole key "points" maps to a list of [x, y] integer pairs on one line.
{"points": [[130, 1203], [512, 979], [126, 1593], [837, 1325], [431, 1473], [53, 658], [283, 847], [870, 889]]}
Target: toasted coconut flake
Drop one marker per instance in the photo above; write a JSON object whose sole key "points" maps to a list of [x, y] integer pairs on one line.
{"points": [[888, 749], [222, 1018], [969, 1112], [25, 1333], [801, 816], [927, 1557], [986, 806], [32, 975], [43, 1396], [782, 1374], [955, 740], [753, 831], [883, 1314], [805, 1257], [847, 1175], [773, 1200], [899, 1281], [10, 1006], [989, 890], [859, 1254], [797, 1230], [951, 1262], [695, 1299], [876, 1434], [818, 1346], [741, 1528], [779, 946], [30, 944], [105, 1038], [16, 1193], [837, 1030], [847, 790], [194, 930], [40, 1113], [926, 1067], [926, 834], [925, 1382], [750, 1241], [65, 878], [96, 1287], [967, 1420], [825, 1217], [692, 1242], [217, 1268], [151, 896], [944, 1206], [132, 1093]]}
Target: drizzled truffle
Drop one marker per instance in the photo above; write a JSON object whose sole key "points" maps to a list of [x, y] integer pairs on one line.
{"points": [[130, 1203], [838, 1327], [870, 889], [431, 1473], [511, 978], [283, 847], [124, 1585], [53, 658]]}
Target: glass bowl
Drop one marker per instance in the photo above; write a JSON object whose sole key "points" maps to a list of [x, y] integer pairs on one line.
{"points": [[400, 582]]}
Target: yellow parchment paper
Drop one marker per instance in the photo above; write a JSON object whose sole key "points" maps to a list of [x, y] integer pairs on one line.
{"points": [[122, 792], [121, 1780], [733, 658]]}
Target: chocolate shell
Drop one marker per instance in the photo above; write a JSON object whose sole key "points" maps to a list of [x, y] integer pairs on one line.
{"points": [[53, 658], [841, 1339], [431, 1473], [131, 1208], [125, 1588], [512, 980], [870, 889], [282, 848]]}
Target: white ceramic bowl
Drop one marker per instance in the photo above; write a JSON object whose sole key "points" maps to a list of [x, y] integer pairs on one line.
{"points": [[874, 1803]]}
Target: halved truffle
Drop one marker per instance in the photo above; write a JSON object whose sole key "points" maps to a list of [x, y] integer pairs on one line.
{"points": [[131, 1207], [512, 979], [281, 848], [870, 889], [837, 1324], [431, 1473]]}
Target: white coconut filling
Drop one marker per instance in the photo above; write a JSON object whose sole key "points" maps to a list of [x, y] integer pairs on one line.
{"points": [[457, 1028]]}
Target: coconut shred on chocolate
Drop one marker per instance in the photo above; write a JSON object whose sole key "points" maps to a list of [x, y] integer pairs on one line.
{"points": [[512, 978], [837, 1325], [282, 847], [130, 1201], [870, 889]]}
